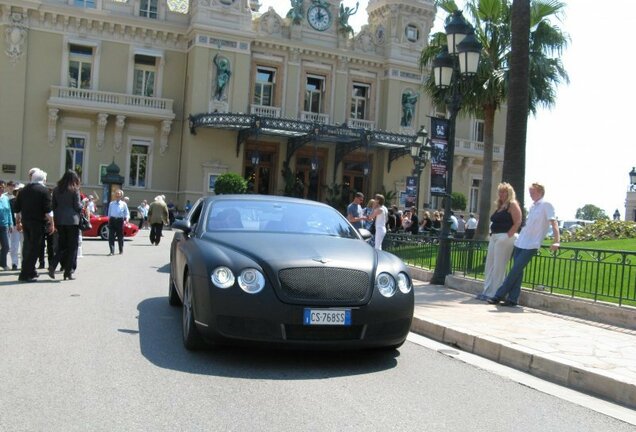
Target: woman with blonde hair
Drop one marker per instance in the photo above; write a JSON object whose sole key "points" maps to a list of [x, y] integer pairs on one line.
{"points": [[505, 223], [380, 215]]}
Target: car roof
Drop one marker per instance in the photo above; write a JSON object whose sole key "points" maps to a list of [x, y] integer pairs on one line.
{"points": [[264, 198]]}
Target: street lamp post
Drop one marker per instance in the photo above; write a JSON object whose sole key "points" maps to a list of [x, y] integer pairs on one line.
{"points": [[421, 154], [457, 61]]}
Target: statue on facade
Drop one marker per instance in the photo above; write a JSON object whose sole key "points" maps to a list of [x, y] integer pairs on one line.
{"points": [[343, 18], [409, 99], [223, 74], [295, 14]]}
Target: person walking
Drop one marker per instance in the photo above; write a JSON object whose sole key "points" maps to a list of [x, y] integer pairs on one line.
{"points": [[505, 223], [7, 225], [158, 216], [354, 211], [380, 215], [15, 236], [66, 205], [118, 214], [540, 217], [33, 205], [143, 214], [471, 226], [461, 227]]}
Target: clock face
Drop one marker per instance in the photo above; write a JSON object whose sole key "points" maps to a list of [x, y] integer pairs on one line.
{"points": [[319, 17]]}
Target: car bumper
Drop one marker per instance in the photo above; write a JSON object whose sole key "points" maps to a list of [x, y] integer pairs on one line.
{"points": [[234, 316]]}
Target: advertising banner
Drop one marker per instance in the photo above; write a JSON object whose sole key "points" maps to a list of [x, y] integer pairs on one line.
{"points": [[411, 191], [439, 155]]}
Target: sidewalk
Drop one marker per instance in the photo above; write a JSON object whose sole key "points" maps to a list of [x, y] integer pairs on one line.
{"points": [[591, 357]]}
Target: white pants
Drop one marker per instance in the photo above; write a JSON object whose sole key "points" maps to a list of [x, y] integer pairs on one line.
{"points": [[380, 232], [15, 246], [500, 249]]}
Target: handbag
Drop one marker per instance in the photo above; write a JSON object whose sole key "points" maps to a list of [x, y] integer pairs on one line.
{"points": [[84, 223]]}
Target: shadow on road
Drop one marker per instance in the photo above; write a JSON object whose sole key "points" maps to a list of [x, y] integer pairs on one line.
{"points": [[160, 342]]}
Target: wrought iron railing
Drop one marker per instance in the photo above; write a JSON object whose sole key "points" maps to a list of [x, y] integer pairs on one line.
{"points": [[595, 274]]}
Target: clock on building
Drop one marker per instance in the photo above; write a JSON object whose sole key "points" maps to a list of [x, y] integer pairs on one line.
{"points": [[319, 15]]}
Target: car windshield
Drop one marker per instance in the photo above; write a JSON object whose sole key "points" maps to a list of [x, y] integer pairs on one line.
{"points": [[277, 217]]}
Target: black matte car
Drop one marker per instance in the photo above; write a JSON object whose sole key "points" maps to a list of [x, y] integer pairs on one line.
{"points": [[284, 271]]}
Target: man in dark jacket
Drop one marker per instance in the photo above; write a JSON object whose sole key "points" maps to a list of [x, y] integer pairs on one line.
{"points": [[415, 222], [33, 204]]}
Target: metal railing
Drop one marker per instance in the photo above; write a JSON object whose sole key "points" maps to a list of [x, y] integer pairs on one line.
{"points": [[595, 274]]}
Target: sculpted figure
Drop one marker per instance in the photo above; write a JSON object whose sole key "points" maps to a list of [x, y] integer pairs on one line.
{"points": [[295, 14], [409, 99], [223, 74], [343, 17]]}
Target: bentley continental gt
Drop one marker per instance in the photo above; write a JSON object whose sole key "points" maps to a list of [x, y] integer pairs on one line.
{"points": [[283, 271]]}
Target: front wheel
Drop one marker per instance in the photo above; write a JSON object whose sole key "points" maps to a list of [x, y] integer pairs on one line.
{"points": [[191, 338], [103, 231]]}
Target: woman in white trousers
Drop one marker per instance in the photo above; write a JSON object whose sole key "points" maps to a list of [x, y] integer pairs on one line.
{"points": [[504, 224]]}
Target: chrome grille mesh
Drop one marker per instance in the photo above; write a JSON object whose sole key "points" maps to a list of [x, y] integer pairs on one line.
{"points": [[324, 284]]}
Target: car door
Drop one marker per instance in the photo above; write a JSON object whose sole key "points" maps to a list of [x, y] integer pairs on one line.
{"points": [[181, 239]]}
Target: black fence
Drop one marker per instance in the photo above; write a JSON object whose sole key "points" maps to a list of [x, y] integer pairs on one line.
{"points": [[599, 275]]}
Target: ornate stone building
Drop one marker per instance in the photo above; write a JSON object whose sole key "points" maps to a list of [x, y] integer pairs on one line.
{"points": [[177, 93]]}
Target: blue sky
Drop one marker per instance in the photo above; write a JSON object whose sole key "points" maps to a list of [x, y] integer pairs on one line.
{"points": [[581, 148]]}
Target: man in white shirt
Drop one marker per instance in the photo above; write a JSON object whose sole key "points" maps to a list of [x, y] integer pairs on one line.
{"points": [[118, 215], [471, 226], [540, 217]]}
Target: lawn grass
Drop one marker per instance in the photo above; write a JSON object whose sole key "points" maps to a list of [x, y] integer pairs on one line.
{"points": [[614, 245]]}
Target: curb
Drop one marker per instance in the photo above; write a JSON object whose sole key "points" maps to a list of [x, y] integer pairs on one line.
{"points": [[529, 361]]}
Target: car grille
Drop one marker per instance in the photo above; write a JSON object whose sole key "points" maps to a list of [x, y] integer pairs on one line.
{"points": [[326, 285]]}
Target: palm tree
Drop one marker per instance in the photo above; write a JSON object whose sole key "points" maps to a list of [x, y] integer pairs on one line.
{"points": [[533, 78], [484, 94], [514, 169]]}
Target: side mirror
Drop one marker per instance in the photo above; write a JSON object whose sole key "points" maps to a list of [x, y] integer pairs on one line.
{"points": [[183, 225], [365, 233]]}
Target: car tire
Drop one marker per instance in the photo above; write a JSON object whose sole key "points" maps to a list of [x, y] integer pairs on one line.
{"points": [[173, 297], [192, 340], [103, 231]]}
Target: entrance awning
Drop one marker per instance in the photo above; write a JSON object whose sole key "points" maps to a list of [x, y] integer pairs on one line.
{"points": [[299, 133]]}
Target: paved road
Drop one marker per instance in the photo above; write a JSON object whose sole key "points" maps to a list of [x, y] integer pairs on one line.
{"points": [[103, 353]]}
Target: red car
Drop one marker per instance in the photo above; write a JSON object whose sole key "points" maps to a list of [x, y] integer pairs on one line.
{"points": [[100, 228]]}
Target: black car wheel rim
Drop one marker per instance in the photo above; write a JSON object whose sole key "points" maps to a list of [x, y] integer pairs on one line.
{"points": [[187, 308]]}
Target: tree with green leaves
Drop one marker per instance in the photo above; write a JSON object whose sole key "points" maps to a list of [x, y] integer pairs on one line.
{"points": [[591, 212], [484, 94], [230, 183]]}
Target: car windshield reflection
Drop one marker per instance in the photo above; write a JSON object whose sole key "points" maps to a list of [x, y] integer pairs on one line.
{"points": [[275, 217]]}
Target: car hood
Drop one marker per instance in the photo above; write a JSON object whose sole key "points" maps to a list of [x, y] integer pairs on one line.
{"points": [[279, 251]]}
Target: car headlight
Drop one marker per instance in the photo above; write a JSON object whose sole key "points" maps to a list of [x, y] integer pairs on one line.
{"points": [[404, 283], [251, 281], [222, 277], [385, 283]]}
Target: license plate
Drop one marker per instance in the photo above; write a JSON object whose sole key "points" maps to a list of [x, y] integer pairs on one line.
{"points": [[335, 317]]}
